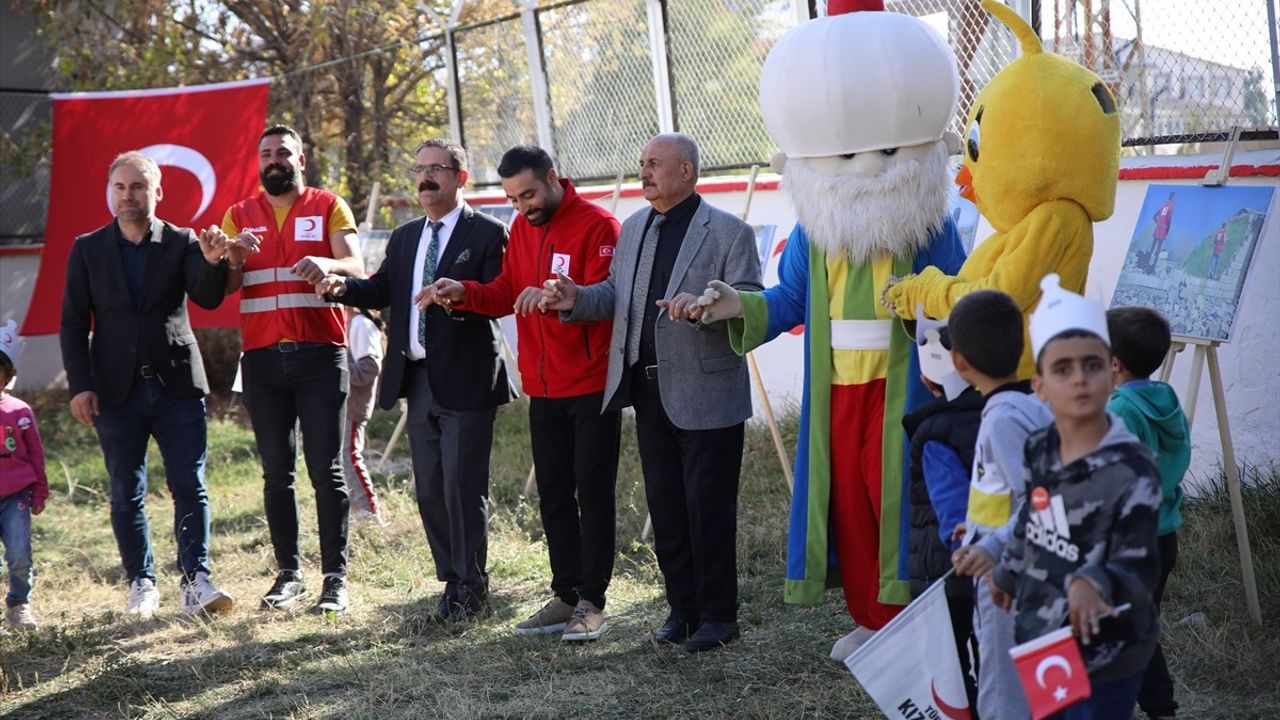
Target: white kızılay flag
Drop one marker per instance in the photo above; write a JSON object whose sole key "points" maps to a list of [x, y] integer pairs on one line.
{"points": [[910, 667]]}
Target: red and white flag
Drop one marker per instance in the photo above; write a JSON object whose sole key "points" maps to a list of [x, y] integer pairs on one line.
{"points": [[1052, 672], [205, 140], [910, 666]]}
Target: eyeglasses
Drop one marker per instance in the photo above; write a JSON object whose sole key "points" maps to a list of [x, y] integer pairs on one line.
{"points": [[432, 169]]}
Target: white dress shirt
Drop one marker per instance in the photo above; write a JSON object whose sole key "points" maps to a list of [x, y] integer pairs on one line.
{"points": [[450, 220]]}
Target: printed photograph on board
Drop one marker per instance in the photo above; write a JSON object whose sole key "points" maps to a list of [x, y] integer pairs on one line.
{"points": [[1190, 252]]}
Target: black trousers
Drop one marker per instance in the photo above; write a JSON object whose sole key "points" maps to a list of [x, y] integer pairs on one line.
{"points": [[691, 485], [575, 460], [306, 387], [1155, 696], [450, 452]]}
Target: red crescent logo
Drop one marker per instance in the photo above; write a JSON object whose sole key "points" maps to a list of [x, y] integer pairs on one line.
{"points": [[953, 713], [311, 224]]}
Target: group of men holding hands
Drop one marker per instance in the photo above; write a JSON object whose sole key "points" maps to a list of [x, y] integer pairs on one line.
{"points": [[607, 316]]}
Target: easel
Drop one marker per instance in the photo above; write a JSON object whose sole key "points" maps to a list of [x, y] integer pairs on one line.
{"points": [[1208, 350], [757, 379], [1205, 349]]}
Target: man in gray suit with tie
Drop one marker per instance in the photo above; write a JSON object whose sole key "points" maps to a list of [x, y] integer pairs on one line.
{"points": [[690, 390]]}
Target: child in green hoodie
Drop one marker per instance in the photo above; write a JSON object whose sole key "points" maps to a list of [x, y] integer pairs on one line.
{"points": [[1140, 339]]}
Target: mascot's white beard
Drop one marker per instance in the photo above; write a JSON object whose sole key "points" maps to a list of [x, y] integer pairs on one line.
{"points": [[861, 216]]}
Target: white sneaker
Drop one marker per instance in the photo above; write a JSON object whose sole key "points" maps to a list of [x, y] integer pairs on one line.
{"points": [[360, 516], [20, 617], [144, 598], [850, 643], [202, 595]]}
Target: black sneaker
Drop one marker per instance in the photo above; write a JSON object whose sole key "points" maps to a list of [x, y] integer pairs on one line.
{"points": [[285, 592], [333, 596]]}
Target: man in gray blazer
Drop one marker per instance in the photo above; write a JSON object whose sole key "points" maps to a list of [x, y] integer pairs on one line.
{"points": [[690, 390]]}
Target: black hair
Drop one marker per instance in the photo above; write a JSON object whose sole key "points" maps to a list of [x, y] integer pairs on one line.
{"points": [[5, 363], [279, 129], [1140, 337], [1065, 335], [985, 327], [525, 157]]}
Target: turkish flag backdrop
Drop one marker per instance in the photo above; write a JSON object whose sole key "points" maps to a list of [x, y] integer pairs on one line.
{"points": [[205, 139], [1052, 672]]}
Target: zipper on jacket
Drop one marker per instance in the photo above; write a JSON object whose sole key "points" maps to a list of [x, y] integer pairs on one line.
{"points": [[586, 342], [542, 335]]}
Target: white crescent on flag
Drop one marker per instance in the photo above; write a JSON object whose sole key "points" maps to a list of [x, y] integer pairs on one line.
{"points": [[1050, 662], [192, 161]]}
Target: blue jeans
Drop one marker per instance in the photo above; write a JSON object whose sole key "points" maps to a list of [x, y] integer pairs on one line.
{"points": [[15, 532], [179, 427], [1113, 700], [305, 386]]}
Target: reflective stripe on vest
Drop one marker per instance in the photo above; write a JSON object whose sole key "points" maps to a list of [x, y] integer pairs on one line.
{"points": [[286, 300], [276, 304]]}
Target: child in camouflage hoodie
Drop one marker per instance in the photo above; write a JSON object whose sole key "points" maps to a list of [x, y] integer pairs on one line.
{"points": [[1085, 540]]}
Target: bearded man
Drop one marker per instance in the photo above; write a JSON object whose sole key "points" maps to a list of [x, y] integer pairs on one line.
{"points": [[283, 241], [870, 185]]}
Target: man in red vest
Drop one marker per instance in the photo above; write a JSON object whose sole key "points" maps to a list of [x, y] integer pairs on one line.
{"points": [[284, 240]]}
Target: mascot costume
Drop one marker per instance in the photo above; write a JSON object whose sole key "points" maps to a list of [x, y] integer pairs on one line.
{"points": [[1041, 156], [859, 104]]}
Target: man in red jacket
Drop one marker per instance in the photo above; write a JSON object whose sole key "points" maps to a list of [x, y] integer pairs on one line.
{"points": [[562, 368]]}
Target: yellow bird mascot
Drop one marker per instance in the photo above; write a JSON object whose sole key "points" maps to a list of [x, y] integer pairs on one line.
{"points": [[1041, 155]]}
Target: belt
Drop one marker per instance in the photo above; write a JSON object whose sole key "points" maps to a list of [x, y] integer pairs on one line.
{"points": [[861, 334], [288, 346], [146, 372]]}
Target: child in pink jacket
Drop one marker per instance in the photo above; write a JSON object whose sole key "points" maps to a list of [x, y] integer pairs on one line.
{"points": [[23, 486]]}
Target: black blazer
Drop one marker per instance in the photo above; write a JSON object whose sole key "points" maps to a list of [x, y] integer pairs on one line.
{"points": [[96, 298], [465, 365]]}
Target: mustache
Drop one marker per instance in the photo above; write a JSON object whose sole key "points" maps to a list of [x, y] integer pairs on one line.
{"points": [[275, 166], [428, 185]]}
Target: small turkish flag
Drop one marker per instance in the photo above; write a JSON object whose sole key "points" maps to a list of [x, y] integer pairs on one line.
{"points": [[1052, 672]]}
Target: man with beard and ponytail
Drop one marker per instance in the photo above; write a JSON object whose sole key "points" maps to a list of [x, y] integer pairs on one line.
{"points": [[562, 368], [447, 363], [283, 241], [870, 186]]}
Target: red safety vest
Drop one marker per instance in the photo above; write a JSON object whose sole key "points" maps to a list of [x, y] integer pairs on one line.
{"points": [[275, 304]]}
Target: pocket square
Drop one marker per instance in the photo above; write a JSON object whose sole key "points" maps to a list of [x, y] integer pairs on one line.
{"points": [[464, 256]]}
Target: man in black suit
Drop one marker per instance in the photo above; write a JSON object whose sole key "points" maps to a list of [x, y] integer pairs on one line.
{"points": [[141, 376], [449, 365]]}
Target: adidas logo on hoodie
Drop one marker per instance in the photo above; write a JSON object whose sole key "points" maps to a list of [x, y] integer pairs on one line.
{"points": [[1048, 527]]}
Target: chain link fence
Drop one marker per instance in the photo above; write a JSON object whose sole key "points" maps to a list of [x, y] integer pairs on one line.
{"points": [[1183, 72], [600, 79], [618, 71], [496, 98], [26, 121]]}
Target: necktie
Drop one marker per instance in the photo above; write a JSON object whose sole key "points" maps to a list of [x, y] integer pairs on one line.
{"points": [[429, 274], [640, 288]]}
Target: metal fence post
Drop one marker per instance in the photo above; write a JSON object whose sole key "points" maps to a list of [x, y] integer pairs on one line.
{"points": [[661, 69], [537, 76], [1275, 54]]}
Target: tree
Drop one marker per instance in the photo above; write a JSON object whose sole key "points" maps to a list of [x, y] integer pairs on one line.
{"points": [[352, 75]]}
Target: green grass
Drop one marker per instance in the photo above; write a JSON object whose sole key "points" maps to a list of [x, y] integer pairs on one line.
{"points": [[386, 659]]}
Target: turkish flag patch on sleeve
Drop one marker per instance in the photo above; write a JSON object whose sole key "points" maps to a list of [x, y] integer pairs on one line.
{"points": [[1052, 672], [606, 251]]}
